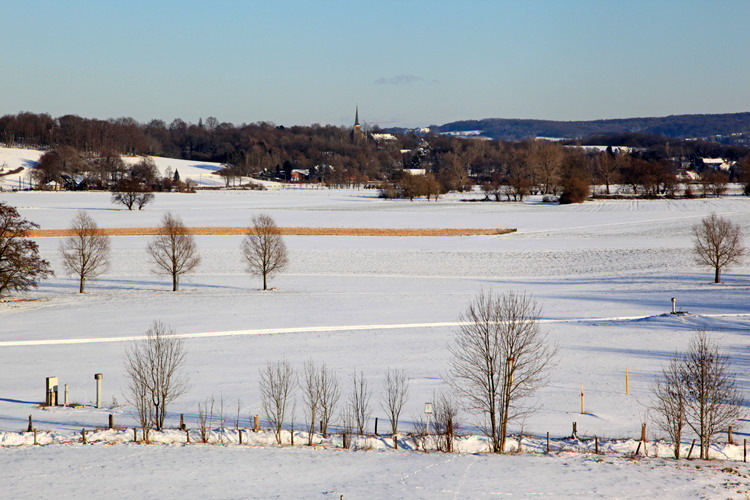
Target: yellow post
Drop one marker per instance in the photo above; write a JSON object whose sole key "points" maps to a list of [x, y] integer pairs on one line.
{"points": [[582, 412], [627, 382]]}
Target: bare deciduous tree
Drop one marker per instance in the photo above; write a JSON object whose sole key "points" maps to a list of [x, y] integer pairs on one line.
{"points": [[173, 252], [330, 393], [545, 159], [21, 268], [347, 426], [264, 249], [222, 419], [699, 390], [206, 419], [359, 402], [445, 420], [713, 400], [239, 410], [499, 357], [130, 193], [718, 244], [86, 253], [310, 387], [669, 402], [277, 386], [395, 395], [153, 366]]}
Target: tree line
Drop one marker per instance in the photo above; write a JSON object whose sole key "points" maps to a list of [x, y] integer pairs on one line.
{"points": [[91, 150]]}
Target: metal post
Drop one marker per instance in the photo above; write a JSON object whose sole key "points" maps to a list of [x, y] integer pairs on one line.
{"points": [[98, 378], [674, 310]]}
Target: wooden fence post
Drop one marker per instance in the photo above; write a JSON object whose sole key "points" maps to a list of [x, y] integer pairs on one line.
{"points": [[547, 441], [83, 435], [730, 435], [35, 443], [376, 426], [596, 445], [111, 421], [182, 421], [691, 449], [187, 433], [744, 450], [256, 423], [31, 425], [135, 434], [240, 430], [575, 431]]}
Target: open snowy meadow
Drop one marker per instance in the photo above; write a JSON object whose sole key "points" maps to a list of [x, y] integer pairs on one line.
{"points": [[603, 272]]}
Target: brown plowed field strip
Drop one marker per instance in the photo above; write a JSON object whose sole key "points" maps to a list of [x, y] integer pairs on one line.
{"points": [[291, 231]]}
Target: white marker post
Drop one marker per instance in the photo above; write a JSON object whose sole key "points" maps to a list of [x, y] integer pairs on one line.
{"points": [[428, 411]]}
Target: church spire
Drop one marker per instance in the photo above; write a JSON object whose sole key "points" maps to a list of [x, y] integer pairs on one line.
{"points": [[356, 117]]}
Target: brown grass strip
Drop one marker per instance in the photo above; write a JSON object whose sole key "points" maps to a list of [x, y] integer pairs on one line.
{"points": [[290, 231]]}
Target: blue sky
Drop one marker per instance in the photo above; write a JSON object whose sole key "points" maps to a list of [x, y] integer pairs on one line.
{"points": [[413, 63]]}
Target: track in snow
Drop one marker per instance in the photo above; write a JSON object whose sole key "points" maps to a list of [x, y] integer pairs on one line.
{"points": [[271, 331]]}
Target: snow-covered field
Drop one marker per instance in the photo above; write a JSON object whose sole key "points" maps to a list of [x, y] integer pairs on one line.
{"points": [[604, 273]]}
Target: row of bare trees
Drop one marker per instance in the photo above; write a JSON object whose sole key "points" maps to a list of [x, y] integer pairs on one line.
{"points": [[499, 358], [173, 252], [320, 395], [698, 390]]}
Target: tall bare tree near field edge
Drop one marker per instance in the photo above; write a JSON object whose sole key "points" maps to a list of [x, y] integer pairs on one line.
{"points": [[264, 249], [718, 244], [499, 357], [86, 252], [173, 252]]}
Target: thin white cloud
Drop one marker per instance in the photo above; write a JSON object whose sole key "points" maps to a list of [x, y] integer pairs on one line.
{"points": [[401, 80]]}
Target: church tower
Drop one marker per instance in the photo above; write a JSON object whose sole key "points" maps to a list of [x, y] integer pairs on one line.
{"points": [[357, 135]]}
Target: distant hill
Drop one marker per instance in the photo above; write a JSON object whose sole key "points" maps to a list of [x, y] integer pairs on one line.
{"points": [[679, 126]]}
